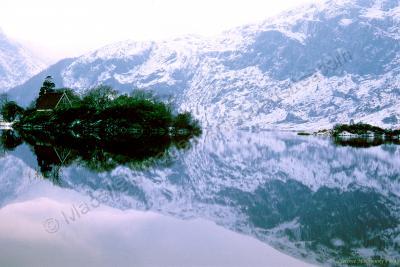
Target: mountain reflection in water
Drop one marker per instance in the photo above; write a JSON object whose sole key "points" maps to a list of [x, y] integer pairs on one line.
{"points": [[306, 196]]}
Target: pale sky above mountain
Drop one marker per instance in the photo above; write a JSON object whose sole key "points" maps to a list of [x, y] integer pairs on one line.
{"points": [[63, 28]]}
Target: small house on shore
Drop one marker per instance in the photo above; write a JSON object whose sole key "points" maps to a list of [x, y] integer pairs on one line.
{"points": [[52, 100]]}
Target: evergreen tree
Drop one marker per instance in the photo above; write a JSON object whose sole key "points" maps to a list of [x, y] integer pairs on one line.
{"points": [[10, 111], [48, 86]]}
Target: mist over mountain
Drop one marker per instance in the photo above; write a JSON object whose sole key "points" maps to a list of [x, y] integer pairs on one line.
{"points": [[17, 64], [310, 67]]}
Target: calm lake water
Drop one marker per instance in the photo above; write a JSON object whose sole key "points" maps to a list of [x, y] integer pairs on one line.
{"points": [[226, 198]]}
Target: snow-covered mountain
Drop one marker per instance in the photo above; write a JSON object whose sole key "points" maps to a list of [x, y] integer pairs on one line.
{"points": [[17, 64], [310, 67]]}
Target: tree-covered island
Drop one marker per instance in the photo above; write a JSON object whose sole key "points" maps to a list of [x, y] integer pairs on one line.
{"points": [[359, 135], [363, 130], [100, 111]]}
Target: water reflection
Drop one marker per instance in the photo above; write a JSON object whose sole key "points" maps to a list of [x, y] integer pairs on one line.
{"points": [[365, 142], [54, 151], [305, 196], [108, 237]]}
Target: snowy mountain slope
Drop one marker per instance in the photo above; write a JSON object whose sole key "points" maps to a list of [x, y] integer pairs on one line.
{"points": [[26, 93], [17, 64], [306, 68]]}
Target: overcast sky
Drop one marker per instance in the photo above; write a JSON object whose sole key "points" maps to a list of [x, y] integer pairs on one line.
{"points": [[61, 28]]}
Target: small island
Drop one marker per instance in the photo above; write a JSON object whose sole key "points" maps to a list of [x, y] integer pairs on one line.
{"points": [[363, 130], [364, 135], [359, 135], [99, 112]]}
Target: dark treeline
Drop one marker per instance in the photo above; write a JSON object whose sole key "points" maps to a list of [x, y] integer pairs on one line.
{"points": [[362, 129], [102, 111]]}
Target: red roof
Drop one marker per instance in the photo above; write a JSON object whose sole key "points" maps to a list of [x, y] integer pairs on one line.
{"points": [[49, 100]]}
